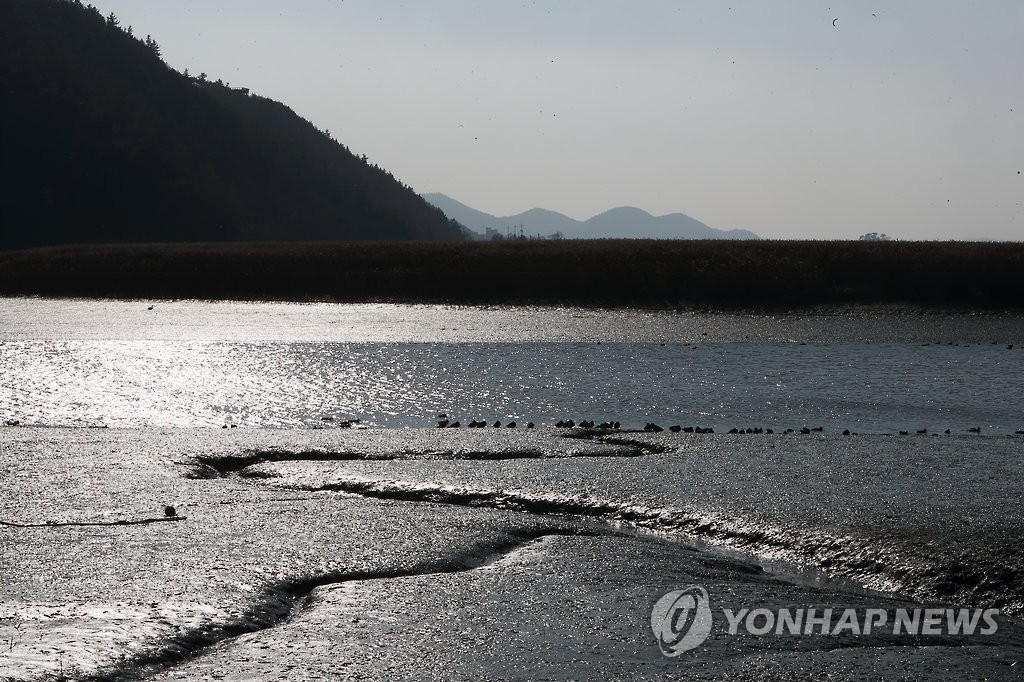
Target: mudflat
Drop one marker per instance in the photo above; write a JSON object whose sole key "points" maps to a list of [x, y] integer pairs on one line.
{"points": [[437, 553]]}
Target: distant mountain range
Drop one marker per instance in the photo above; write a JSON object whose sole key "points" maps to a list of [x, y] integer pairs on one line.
{"points": [[104, 143], [625, 222]]}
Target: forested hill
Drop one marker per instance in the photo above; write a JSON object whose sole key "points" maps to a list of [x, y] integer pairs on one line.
{"points": [[103, 142]]}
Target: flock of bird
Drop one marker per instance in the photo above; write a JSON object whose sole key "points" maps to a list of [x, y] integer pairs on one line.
{"points": [[651, 427], [476, 424]]}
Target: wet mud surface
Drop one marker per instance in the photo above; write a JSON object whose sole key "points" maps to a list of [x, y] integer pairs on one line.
{"points": [[426, 554]]}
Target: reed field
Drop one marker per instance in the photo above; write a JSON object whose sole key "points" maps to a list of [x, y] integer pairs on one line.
{"points": [[657, 274]]}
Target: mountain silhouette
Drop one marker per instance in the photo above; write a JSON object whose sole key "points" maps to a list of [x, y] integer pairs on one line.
{"points": [[104, 143], [625, 222]]}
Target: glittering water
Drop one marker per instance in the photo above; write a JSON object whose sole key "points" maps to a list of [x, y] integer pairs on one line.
{"points": [[193, 363]]}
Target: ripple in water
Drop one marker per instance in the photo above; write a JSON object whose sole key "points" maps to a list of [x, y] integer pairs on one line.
{"points": [[870, 388]]}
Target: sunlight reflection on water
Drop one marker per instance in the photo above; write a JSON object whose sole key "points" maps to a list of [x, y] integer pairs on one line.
{"points": [[187, 363], [865, 387]]}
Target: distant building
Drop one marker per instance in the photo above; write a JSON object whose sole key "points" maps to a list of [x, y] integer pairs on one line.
{"points": [[517, 233]]}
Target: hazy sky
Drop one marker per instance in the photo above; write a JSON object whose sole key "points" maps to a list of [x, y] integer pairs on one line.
{"points": [[903, 117]]}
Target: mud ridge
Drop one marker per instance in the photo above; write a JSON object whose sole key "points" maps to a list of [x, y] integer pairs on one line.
{"points": [[645, 448], [606, 436], [222, 466], [871, 562], [282, 601]]}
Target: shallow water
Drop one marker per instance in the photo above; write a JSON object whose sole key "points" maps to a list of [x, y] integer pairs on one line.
{"points": [[73, 363]]}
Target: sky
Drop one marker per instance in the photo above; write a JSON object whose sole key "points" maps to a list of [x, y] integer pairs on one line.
{"points": [[793, 119]]}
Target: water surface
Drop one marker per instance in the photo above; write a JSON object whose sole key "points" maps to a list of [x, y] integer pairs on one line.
{"points": [[73, 363]]}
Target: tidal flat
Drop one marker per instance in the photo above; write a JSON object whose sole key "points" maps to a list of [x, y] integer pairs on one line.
{"points": [[458, 554]]}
